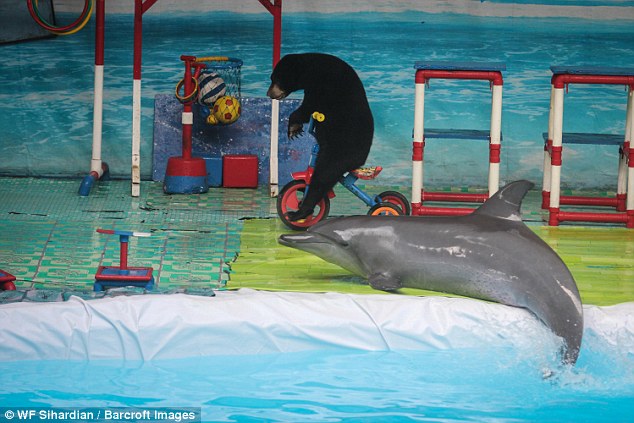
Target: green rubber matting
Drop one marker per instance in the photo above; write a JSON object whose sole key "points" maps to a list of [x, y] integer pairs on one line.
{"points": [[600, 260], [226, 239]]}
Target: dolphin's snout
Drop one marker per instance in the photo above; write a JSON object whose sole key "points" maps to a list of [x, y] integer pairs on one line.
{"points": [[286, 240], [290, 240]]}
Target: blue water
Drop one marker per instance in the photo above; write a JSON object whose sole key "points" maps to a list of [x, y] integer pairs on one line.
{"points": [[496, 385], [46, 86]]}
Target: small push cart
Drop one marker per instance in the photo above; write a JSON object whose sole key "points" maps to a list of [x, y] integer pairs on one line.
{"points": [[122, 275]]}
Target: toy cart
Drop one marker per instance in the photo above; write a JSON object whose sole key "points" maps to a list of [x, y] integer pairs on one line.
{"points": [[122, 275]]}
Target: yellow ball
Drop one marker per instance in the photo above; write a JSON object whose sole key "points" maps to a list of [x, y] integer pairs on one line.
{"points": [[227, 109], [211, 119]]}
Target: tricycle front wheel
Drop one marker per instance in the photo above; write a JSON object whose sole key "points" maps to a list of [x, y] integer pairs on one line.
{"points": [[289, 200]]}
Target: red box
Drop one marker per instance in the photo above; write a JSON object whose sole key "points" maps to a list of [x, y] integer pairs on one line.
{"points": [[240, 171]]}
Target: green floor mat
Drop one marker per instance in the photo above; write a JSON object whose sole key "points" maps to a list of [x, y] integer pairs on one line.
{"points": [[48, 241], [600, 259], [264, 264]]}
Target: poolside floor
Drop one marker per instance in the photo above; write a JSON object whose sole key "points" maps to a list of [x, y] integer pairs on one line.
{"points": [[226, 239]]}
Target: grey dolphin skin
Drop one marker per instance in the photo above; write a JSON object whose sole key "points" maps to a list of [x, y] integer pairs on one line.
{"points": [[490, 254]]}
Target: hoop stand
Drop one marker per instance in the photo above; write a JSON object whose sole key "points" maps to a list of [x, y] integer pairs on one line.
{"points": [[122, 275], [186, 174]]}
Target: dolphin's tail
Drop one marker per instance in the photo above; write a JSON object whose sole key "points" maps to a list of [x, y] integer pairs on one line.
{"points": [[570, 352], [506, 203], [566, 321]]}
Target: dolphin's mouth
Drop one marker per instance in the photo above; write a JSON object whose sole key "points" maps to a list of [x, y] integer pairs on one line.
{"points": [[291, 240]]}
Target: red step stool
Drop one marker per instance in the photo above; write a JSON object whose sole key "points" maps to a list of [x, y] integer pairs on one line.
{"points": [[122, 275]]}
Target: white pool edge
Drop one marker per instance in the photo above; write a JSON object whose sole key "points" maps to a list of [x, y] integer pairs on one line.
{"points": [[149, 327]]}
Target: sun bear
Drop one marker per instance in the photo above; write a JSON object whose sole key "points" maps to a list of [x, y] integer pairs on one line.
{"points": [[333, 88]]}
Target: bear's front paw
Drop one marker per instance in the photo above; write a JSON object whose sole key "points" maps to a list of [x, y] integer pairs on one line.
{"points": [[295, 130], [294, 216]]}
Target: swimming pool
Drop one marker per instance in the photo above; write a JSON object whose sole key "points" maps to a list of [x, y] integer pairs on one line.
{"points": [[260, 356]]}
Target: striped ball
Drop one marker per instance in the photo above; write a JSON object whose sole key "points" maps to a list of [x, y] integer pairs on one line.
{"points": [[210, 88]]}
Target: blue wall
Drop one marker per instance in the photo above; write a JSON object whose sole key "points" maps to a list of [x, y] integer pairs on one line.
{"points": [[250, 134], [46, 85]]}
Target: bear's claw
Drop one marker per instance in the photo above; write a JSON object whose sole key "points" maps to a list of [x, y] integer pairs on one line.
{"points": [[295, 130], [298, 215]]}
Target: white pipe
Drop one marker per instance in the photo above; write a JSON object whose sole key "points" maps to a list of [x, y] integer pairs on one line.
{"points": [[496, 131], [558, 120], [273, 159], [419, 135], [97, 123], [136, 138], [494, 178]]}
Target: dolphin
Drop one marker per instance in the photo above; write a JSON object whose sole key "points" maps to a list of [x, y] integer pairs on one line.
{"points": [[489, 254]]}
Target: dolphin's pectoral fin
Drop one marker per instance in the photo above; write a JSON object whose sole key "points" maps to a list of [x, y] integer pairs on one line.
{"points": [[384, 282]]}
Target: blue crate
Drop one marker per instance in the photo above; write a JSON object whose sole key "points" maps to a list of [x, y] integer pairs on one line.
{"points": [[214, 171]]}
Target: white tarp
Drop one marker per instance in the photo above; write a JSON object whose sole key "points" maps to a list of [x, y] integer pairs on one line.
{"points": [[253, 322]]}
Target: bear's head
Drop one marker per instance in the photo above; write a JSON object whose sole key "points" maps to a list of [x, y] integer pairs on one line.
{"points": [[286, 77]]}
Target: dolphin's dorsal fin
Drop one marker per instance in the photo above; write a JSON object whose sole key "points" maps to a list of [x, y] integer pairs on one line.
{"points": [[506, 203]]}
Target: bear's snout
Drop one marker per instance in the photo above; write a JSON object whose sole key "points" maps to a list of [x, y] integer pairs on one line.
{"points": [[275, 92]]}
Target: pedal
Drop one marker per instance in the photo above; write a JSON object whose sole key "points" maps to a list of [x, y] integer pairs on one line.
{"points": [[367, 173]]}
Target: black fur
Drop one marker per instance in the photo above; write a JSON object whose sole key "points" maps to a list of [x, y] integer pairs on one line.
{"points": [[334, 89]]}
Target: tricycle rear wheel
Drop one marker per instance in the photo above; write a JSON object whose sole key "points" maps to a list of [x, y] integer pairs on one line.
{"points": [[398, 199], [385, 209]]}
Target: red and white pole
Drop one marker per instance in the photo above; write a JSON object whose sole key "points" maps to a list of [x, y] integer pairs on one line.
{"points": [[628, 148], [547, 152], [95, 164], [275, 9], [140, 7], [496, 136], [555, 154], [418, 147]]}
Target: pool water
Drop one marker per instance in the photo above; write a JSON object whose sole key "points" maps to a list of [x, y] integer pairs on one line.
{"points": [[249, 355], [345, 385]]}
